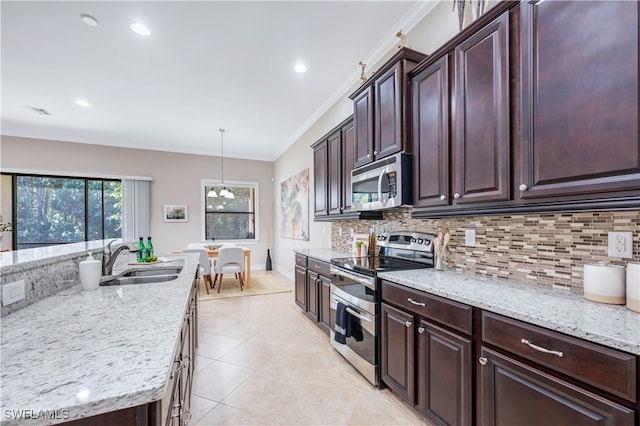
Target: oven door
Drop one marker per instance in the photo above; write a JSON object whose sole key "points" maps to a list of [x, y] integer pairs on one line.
{"points": [[360, 353]]}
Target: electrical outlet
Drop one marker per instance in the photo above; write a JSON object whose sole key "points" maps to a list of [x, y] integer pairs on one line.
{"points": [[621, 244], [12, 292], [470, 237]]}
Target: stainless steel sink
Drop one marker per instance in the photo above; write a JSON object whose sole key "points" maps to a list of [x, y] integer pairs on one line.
{"points": [[153, 272], [144, 276]]}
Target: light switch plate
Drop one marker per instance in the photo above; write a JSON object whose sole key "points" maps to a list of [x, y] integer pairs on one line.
{"points": [[470, 237], [12, 292], [621, 244]]}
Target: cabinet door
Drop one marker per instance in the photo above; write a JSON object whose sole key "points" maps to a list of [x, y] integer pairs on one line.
{"points": [[431, 135], [320, 182], [579, 83], [312, 295], [301, 287], [444, 375], [348, 161], [324, 312], [363, 127], [513, 393], [334, 173], [480, 149], [388, 117], [398, 351]]}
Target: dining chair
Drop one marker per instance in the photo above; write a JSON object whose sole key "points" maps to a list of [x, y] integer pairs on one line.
{"points": [[230, 260], [205, 265]]}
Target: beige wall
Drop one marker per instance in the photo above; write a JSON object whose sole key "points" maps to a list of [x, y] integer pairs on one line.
{"points": [[176, 180]]}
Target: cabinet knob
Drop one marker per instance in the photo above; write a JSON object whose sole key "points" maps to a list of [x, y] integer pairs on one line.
{"points": [[443, 197], [407, 324], [482, 360], [456, 195], [523, 187], [375, 152], [420, 330], [368, 155]]}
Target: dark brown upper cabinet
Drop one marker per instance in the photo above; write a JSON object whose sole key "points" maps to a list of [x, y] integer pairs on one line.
{"points": [[363, 126], [333, 161], [480, 141], [579, 112], [320, 181], [430, 135], [381, 110]]}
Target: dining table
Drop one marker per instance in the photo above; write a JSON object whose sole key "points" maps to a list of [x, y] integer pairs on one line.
{"points": [[213, 253]]}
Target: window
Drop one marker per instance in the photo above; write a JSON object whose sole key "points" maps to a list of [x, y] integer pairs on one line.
{"points": [[230, 218], [52, 210]]}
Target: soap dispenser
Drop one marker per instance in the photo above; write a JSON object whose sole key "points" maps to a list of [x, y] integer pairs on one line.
{"points": [[90, 272]]}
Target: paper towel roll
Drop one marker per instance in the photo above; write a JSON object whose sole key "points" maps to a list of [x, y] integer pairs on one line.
{"points": [[604, 283], [633, 286]]}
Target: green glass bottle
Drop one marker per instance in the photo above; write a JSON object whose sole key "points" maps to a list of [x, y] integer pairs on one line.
{"points": [[149, 247], [141, 250]]}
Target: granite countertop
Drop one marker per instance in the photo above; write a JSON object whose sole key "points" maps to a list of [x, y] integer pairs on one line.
{"points": [[81, 353], [610, 325], [324, 254]]}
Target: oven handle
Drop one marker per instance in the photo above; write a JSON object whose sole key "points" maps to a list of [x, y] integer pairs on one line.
{"points": [[366, 281], [357, 315]]}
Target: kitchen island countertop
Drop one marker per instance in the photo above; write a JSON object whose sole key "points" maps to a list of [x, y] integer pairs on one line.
{"points": [[613, 326], [81, 353]]}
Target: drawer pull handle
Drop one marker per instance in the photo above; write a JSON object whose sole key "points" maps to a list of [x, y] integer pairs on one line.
{"points": [[416, 303], [318, 266], [482, 360], [408, 324], [420, 330], [541, 349]]}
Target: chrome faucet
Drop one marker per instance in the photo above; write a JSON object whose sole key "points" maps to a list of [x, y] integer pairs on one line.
{"points": [[109, 257]]}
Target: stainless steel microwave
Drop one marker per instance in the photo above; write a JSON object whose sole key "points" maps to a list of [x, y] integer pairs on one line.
{"points": [[383, 184]]}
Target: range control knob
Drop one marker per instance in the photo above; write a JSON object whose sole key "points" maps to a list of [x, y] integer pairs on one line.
{"points": [[420, 241], [413, 240]]}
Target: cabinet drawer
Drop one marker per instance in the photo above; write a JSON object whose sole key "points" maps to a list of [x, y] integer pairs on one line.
{"points": [[453, 314], [319, 267], [605, 368], [301, 260]]}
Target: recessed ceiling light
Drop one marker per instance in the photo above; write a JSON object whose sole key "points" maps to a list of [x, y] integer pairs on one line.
{"points": [[141, 29], [300, 68], [89, 20], [83, 103]]}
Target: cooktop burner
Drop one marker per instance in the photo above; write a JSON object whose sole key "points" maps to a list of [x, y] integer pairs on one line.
{"points": [[371, 265], [396, 251]]}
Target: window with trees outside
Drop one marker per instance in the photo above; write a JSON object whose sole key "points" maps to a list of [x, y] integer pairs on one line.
{"points": [[52, 210], [230, 218]]}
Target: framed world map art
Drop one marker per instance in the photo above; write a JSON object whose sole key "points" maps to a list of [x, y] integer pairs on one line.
{"points": [[294, 205]]}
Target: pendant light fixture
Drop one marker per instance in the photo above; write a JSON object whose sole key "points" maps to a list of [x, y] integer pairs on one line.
{"points": [[224, 192]]}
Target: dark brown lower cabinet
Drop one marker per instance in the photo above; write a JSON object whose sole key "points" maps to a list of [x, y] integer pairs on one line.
{"points": [[428, 366], [444, 375], [513, 393], [313, 289], [324, 304], [301, 286], [312, 295], [398, 351]]}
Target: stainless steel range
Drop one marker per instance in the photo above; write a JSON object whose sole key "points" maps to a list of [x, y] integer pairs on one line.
{"points": [[355, 295]]}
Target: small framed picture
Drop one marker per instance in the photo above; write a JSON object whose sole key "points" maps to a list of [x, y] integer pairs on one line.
{"points": [[175, 213]]}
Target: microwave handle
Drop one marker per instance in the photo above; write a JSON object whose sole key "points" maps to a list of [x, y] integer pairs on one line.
{"points": [[382, 173]]}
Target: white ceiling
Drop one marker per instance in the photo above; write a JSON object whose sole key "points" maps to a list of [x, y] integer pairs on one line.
{"points": [[207, 65]]}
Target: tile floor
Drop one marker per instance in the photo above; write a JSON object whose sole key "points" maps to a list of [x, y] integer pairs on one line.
{"points": [[262, 361]]}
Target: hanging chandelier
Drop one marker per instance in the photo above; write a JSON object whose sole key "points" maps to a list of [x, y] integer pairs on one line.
{"points": [[224, 192]]}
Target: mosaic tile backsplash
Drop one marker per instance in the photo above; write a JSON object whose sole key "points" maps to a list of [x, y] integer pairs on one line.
{"points": [[544, 249]]}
